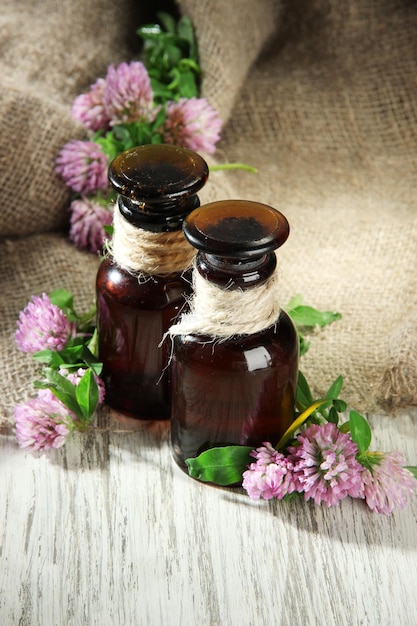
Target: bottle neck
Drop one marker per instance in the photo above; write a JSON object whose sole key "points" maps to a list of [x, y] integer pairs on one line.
{"points": [[157, 216], [232, 274], [143, 252], [220, 313]]}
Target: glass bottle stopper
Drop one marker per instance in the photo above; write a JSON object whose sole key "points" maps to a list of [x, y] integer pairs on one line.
{"points": [[157, 185], [235, 239]]}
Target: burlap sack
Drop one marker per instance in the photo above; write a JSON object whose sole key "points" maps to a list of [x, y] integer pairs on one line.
{"points": [[319, 95]]}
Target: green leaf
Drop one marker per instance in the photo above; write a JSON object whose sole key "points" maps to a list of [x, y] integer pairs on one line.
{"points": [[160, 91], [186, 31], [339, 405], [360, 431], [93, 344], [345, 427], [156, 139], [294, 302], [412, 469], [49, 357], [64, 390], [92, 361], [67, 400], [309, 317], [175, 76], [221, 466], [109, 144], [72, 367], [41, 384], [303, 397], [159, 119], [62, 298], [335, 388], [187, 85], [333, 416], [87, 394], [97, 368], [121, 134], [167, 21], [173, 55], [304, 344], [73, 353], [186, 65], [306, 318], [143, 134], [59, 381]]}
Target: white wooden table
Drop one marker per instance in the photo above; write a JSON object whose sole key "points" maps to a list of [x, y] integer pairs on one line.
{"points": [[108, 531]]}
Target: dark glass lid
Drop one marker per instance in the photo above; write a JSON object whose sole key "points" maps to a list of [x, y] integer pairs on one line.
{"points": [[236, 229], [157, 173]]}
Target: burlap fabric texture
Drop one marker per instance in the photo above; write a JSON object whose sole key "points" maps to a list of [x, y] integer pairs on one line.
{"points": [[319, 95]]}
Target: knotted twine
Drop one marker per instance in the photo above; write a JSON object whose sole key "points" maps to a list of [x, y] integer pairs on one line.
{"points": [[222, 313], [143, 252]]}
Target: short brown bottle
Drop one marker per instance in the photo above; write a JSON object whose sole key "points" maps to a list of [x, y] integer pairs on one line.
{"points": [[235, 354], [141, 284]]}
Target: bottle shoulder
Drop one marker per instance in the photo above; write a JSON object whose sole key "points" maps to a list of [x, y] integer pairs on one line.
{"points": [[116, 283], [279, 342]]}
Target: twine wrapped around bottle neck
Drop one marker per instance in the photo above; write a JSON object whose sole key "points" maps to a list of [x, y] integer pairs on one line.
{"points": [[140, 251], [222, 313]]}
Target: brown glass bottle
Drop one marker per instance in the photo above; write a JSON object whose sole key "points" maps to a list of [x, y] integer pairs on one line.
{"points": [[157, 187], [238, 389]]}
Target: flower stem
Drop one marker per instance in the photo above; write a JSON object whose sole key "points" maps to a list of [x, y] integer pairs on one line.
{"points": [[234, 166]]}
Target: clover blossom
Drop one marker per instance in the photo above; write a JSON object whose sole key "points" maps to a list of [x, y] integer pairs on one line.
{"points": [[83, 166], [270, 477], [387, 483], [42, 325], [87, 223], [325, 465], [192, 123], [127, 94], [88, 108], [43, 422], [75, 377]]}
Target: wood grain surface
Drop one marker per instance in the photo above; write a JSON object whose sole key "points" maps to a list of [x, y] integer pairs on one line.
{"points": [[108, 531]]}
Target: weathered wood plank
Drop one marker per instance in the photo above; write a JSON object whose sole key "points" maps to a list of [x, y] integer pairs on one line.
{"points": [[108, 531]]}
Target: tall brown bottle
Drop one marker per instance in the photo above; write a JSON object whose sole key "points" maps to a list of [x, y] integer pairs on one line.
{"points": [[235, 354], [157, 186]]}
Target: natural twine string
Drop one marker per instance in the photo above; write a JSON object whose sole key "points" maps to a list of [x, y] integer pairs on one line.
{"points": [[140, 251], [222, 313]]}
